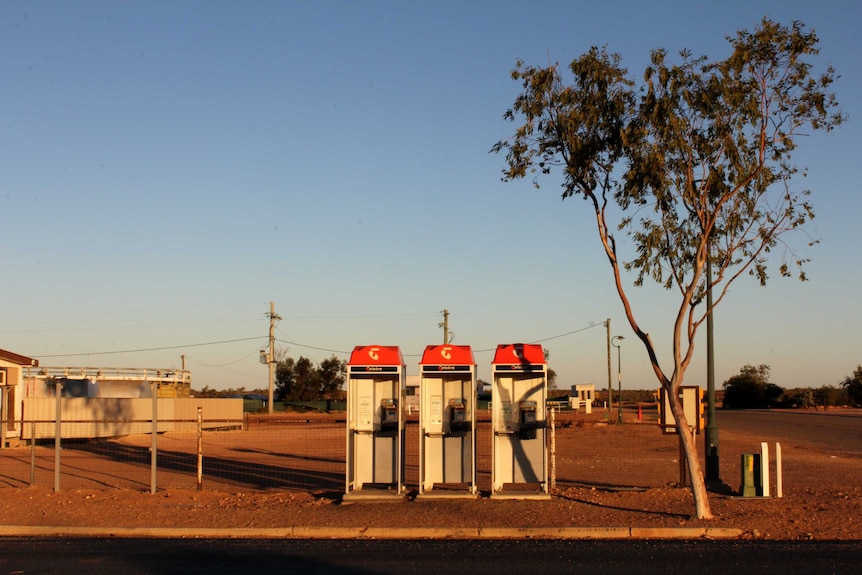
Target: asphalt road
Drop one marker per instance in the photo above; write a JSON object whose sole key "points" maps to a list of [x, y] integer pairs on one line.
{"points": [[836, 431], [429, 557]]}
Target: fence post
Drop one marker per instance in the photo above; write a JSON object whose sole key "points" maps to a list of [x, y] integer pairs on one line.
{"points": [[553, 449], [683, 465], [200, 449], [32, 452], [154, 447], [58, 389], [4, 398]]}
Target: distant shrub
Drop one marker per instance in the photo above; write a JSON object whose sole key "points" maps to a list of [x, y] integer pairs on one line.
{"points": [[801, 397], [751, 389], [853, 387], [829, 396]]}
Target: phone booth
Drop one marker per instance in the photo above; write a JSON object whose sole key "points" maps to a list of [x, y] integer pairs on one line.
{"points": [[447, 422], [519, 405], [376, 385]]}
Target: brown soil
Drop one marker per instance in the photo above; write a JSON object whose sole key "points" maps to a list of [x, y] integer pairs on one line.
{"points": [[607, 476]]}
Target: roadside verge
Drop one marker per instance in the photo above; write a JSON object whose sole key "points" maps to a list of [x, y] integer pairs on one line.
{"points": [[377, 532]]}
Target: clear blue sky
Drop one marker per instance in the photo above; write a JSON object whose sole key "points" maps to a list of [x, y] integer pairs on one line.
{"points": [[169, 168]]}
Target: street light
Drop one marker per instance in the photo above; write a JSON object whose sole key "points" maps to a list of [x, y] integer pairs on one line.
{"points": [[619, 379]]}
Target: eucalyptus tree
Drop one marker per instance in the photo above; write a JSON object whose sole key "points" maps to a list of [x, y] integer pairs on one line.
{"points": [[693, 163], [853, 386], [302, 380]]}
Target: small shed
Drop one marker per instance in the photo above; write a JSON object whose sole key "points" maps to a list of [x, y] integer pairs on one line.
{"points": [[584, 394], [11, 376]]}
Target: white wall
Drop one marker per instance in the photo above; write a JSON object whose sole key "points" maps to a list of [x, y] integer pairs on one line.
{"points": [[84, 417]]}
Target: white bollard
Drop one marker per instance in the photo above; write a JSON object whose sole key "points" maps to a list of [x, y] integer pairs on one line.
{"points": [[764, 468], [779, 491]]}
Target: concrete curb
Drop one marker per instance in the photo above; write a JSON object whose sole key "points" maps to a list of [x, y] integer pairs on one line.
{"points": [[377, 532]]}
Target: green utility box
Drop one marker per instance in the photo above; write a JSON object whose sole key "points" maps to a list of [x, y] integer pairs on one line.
{"points": [[752, 482]]}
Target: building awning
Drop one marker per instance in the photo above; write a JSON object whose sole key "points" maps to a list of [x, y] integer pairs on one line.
{"points": [[10, 357]]}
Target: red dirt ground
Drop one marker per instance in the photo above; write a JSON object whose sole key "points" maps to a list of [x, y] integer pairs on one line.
{"points": [[606, 476]]}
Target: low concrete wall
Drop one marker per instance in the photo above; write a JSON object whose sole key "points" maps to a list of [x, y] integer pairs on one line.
{"points": [[91, 417]]}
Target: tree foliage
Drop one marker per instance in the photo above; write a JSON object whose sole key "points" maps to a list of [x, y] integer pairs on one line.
{"points": [[694, 163], [853, 387], [751, 389], [829, 396], [301, 380], [551, 374]]}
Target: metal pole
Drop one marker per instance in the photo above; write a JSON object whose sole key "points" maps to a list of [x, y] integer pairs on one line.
{"points": [[619, 384], [711, 433], [610, 382], [683, 466], [619, 378], [58, 388]]}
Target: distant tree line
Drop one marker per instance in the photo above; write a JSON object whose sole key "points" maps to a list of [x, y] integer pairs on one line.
{"points": [[296, 380], [209, 392], [302, 380], [751, 389]]}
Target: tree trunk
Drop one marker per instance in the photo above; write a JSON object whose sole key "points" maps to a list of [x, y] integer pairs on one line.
{"points": [[695, 472]]}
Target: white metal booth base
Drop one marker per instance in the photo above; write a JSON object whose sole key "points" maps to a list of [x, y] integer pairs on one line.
{"points": [[373, 494], [521, 494]]}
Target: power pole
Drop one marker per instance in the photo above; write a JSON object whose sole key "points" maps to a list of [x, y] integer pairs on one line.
{"points": [[445, 326], [273, 317], [610, 377]]}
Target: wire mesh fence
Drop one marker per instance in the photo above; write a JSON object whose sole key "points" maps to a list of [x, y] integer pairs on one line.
{"points": [[291, 452]]}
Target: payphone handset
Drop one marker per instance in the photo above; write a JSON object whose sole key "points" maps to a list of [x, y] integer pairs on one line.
{"points": [[457, 412], [527, 415], [388, 415], [528, 419]]}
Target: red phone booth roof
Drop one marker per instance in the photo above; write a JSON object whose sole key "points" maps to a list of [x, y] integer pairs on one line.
{"points": [[376, 355], [447, 355], [524, 353]]}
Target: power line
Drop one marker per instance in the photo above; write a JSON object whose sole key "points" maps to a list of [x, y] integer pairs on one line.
{"points": [[329, 350], [141, 350], [591, 326], [222, 365], [364, 318], [313, 347], [568, 333]]}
